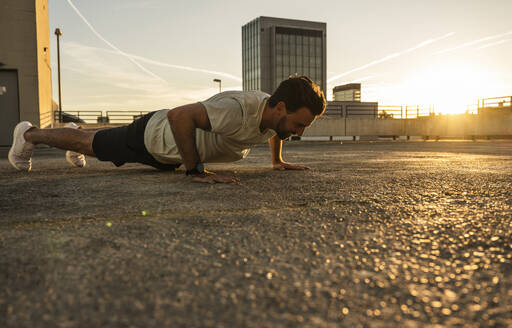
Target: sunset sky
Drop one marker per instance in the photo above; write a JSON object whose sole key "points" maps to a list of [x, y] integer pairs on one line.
{"points": [[153, 54]]}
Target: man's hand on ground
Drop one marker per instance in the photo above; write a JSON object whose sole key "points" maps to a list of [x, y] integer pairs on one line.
{"points": [[288, 166], [211, 177]]}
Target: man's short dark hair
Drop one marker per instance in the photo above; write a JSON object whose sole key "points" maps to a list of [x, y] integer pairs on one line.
{"points": [[297, 92]]}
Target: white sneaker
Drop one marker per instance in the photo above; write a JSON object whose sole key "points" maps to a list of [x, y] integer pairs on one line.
{"points": [[74, 158], [20, 154]]}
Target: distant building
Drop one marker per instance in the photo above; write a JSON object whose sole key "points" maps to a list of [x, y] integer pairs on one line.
{"points": [[274, 49], [347, 92], [347, 103], [25, 75]]}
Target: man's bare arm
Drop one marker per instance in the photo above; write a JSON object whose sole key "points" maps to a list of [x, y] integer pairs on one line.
{"points": [[276, 146], [184, 121]]}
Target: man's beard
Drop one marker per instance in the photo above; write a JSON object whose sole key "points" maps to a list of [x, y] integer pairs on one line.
{"points": [[281, 132]]}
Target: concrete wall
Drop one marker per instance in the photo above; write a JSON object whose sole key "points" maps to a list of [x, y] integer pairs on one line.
{"points": [[24, 46], [435, 126]]}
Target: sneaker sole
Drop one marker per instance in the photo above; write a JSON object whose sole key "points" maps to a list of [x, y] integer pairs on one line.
{"points": [[9, 155], [11, 161], [71, 162]]}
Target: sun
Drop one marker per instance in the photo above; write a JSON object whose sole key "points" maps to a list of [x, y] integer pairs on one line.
{"points": [[451, 89]]}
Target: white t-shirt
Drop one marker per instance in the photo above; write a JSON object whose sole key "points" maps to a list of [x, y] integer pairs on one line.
{"points": [[235, 118]]}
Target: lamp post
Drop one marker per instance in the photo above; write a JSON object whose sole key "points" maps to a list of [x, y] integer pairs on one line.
{"points": [[58, 33], [220, 83]]}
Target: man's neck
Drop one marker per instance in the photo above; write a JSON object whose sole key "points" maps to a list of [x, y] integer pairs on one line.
{"points": [[266, 119]]}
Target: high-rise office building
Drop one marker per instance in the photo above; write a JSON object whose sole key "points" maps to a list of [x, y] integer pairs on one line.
{"points": [[274, 49]]}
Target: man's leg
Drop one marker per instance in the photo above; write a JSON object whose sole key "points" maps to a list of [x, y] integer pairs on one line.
{"points": [[77, 140], [26, 136], [120, 145]]}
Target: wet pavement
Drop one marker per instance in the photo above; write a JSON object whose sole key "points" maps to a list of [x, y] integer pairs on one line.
{"points": [[384, 234]]}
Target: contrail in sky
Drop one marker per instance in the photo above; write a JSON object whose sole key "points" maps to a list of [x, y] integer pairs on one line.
{"points": [[497, 43], [389, 57], [366, 78], [187, 68], [111, 45], [134, 58], [467, 44]]}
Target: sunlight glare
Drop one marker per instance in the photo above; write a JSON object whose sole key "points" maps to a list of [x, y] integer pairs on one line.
{"points": [[450, 88]]}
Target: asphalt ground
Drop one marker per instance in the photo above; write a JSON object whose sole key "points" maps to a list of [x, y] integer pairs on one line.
{"points": [[384, 234]]}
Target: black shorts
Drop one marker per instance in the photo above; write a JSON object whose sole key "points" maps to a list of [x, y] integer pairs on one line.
{"points": [[125, 144]]}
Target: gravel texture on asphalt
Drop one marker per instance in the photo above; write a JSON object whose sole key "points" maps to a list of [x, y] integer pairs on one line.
{"points": [[383, 234]]}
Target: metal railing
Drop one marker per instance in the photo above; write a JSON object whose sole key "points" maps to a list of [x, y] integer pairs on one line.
{"points": [[391, 112], [418, 111], [106, 117], [490, 105], [124, 116], [88, 116], [405, 112], [333, 109], [483, 105], [351, 109], [496, 102]]}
